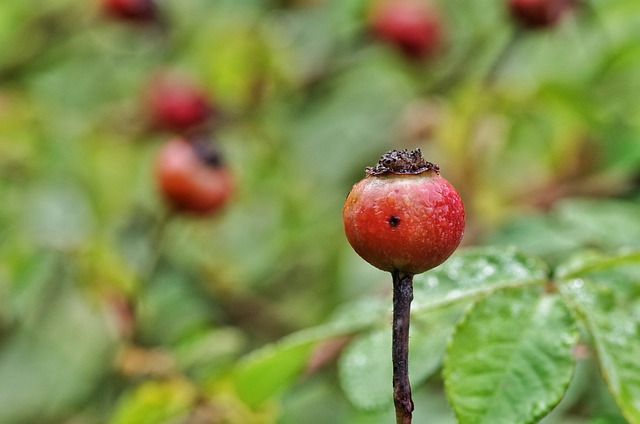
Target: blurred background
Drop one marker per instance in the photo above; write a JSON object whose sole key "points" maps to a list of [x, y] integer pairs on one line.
{"points": [[118, 305]]}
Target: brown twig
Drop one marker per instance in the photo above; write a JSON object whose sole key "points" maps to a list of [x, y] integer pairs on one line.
{"points": [[402, 297]]}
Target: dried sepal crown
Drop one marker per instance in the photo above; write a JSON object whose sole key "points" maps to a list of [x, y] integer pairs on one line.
{"points": [[402, 162]]}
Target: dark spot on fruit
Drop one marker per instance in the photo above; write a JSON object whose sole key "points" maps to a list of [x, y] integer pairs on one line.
{"points": [[394, 221]]}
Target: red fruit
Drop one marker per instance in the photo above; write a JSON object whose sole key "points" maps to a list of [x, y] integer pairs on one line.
{"points": [[177, 104], [191, 177], [407, 24], [404, 216], [132, 10], [539, 13]]}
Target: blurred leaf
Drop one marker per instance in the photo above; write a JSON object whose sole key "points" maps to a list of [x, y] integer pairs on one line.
{"points": [[102, 266], [359, 314], [472, 273], [307, 402], [606, 295], [309, 38], [603, 224], [58, 216], [537, 234], [25, 286], [56, 359], [208, 349], [359, 108], [365, 366], [510, 360], [349, 18], [172, 308], [268, 370], [156, 402], [230, 30]]}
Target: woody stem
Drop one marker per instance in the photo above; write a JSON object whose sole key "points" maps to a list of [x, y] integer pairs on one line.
{"points": [[402, 297]]}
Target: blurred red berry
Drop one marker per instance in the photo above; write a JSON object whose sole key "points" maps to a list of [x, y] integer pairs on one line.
{"points": [[407, 24], [191, 177], [177, 104], [132, 10], [539, 13]]}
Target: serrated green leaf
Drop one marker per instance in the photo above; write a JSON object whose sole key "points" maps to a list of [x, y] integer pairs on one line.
{"points": [[473, 273], [606, 294], [510, 360], [365, 368]]}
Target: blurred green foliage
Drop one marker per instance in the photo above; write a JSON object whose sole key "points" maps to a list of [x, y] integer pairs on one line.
{"points": [[111, 310]]}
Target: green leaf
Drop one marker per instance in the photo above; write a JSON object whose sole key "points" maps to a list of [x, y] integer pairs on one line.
{"points": [[536, 234], [56, 358], [365, 368], [208, 349], [58, 215], [510, 360], [268, 370], [589, 262], [607, 224], [360, 314], [472, 273], [373, 94], [572, 224], [155, 402], [174, 308], [606, 294]]}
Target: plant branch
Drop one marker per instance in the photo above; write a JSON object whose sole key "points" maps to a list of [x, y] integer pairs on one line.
{"points": [[402, 297]]}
